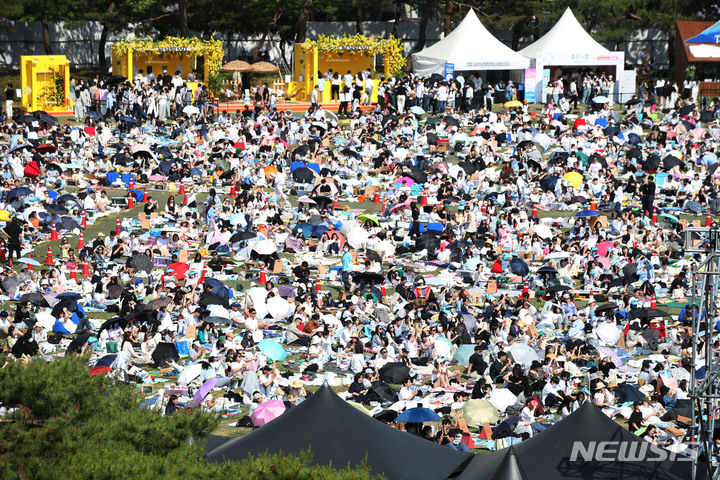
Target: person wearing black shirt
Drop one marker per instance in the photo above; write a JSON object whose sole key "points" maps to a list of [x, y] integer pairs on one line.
{"points": [[476, 363], [302, 272], [9, 97], [647, 192], [636, 418], [216, 264], [14, 231], [357, 388]]}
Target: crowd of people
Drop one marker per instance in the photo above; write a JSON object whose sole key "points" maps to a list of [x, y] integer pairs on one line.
{"points": [[521, 257]]}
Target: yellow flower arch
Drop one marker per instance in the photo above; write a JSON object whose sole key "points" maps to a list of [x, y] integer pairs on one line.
{"points": [[390, 47], [212, 49]]}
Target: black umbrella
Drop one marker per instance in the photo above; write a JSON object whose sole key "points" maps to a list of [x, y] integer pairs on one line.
{"points": [[140, 261], [634, 153], [68, 223], [548, 183], [428, 242], [36, 298], [78, 343], [387, 416], [114, 291], [303, 175], [368, 278], [128, 120], [652, 163], [242, 236], [394, 372], [389, 118], [508, 424], [217, 320], [685, 110], [469, 167], [558, 288], [671, 161], [115, 79], [547, 270], [432, 139], [619, 281], [601, 160], [322, 200], [384, 391], [607, 306], [93, 114], [209, 298], [69, 303], [647, 313], [626, 393], [611, 130], [451, 121], [302, 150], [56, 209], [26, 119], [108, 323], [459, 245], [165, 166], [49, 119], [68, 198], [165, 352], [417, 174], [630, 269]]}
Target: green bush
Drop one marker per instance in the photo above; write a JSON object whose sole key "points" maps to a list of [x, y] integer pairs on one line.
{"points": [[70, 425]]}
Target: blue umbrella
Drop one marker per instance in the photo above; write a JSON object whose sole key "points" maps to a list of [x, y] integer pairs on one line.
{"points": [[74, 296], [463, 353], [417, 415], [305, 228], [272, 349], [417, 110], [519, 267], [128, 120], [106, 361], [20, 147], [549, 182], [19, 192], [217, 287], [587, 213], [319, 231], [94, 114]]}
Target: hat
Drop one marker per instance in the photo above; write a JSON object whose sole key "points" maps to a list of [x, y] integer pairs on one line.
{"points": [[296, 383], [315, 340], [612, 384], [235, 304], [600, 385]]}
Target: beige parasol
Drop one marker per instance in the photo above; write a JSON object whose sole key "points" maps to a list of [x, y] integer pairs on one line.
{"points": [[236, 66]]}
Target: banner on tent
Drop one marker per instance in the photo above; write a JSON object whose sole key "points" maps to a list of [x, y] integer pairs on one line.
{"points": [[530, 81], [449, 71]]}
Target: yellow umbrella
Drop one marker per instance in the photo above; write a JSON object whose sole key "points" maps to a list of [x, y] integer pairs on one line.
{"points": [[480, 411], [513, 103], [574, 177], [360, 407]]}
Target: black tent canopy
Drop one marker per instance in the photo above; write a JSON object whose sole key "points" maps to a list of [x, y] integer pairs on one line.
{"points": [[549, 454], [339, 433]]}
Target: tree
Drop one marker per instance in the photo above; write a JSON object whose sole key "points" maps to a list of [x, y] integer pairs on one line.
{"points": [[71, 425]]}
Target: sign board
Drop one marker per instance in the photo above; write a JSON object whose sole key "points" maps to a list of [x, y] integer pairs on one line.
{"points": [[449, 71], [530, 82], [626, 82]]}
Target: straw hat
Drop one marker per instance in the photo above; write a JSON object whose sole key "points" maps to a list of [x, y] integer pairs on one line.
{"points": [[600, 385], [296, 383]]}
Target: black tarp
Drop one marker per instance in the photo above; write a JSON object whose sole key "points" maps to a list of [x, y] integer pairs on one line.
{"points": [[546, 456], [339, 433]]}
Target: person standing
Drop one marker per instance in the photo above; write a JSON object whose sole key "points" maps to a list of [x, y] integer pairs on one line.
{"points": [[347, 259], [9, 97], [647, 192]]}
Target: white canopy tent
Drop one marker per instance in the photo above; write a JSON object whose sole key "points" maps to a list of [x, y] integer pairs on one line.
{"points": [[469, 47], [568, 44]]}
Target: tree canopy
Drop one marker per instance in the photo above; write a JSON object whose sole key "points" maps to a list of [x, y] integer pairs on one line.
{"points": [[69, 424]]}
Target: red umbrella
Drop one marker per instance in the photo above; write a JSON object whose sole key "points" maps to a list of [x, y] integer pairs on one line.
{"points": [[32, 169], [46, 148], [180, 269], [99, 371]]}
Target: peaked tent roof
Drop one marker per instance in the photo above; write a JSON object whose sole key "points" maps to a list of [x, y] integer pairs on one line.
{"points": [[709, 35], [509, 468], [546, 456], [339, 433], [469, 47], [567, 36]]}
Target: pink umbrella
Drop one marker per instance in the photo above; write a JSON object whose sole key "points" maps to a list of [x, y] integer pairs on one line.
{"points": [[604, 261], [405, 180], [203, 391], [157, 178], [140, 147], [602, 248], [399, 206], [266, 412], [306, 200], [698, 133], [671, 134]]}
